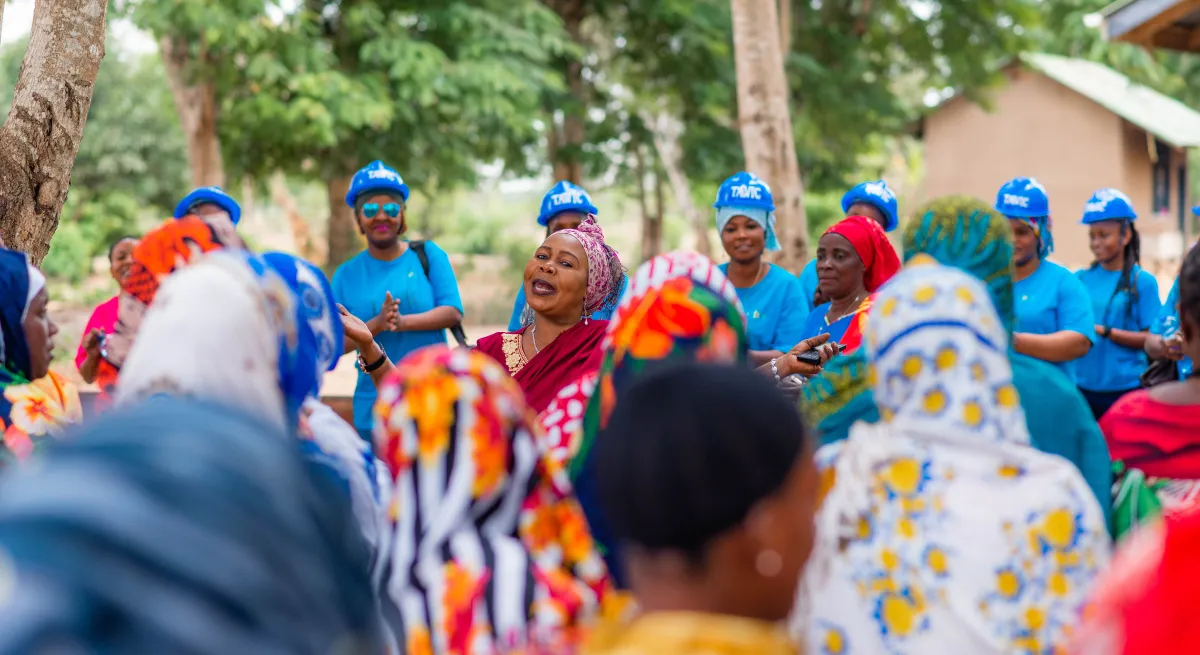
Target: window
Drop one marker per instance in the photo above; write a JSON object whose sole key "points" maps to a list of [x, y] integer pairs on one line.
{"points": [[1162, 178]]}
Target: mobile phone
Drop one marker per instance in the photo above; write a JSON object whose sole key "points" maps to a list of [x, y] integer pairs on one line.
{"points": [[814, 356]]}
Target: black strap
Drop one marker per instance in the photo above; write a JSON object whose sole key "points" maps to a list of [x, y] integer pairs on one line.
{"points": [[418, 247]]}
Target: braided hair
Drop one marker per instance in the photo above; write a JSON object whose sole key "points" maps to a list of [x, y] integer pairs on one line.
{"points": [[1132, 256], [1189, 287]]}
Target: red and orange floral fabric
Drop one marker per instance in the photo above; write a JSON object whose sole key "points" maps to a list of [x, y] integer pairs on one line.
{"points": [[679, 306], [490, 552]]}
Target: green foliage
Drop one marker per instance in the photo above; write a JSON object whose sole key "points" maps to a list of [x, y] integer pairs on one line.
{"points": [[858, 72], [132, 161], [433, 88]]}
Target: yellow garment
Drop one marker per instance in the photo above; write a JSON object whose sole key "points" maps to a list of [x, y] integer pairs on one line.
{"points": [[690, 633]]}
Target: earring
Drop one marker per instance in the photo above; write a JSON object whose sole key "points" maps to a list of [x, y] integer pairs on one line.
{"points": [[769, 563]]}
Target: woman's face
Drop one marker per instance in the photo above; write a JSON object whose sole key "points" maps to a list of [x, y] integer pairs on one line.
{"points": [[1107, 240], [122, 258], [39, 334], [556, 278], [743, 239], [870, 211], [564, 221], [840, 271], [1025, 242], [381, 219]]}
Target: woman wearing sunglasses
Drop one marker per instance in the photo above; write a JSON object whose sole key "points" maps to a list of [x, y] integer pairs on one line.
{"points": [[386, 285]]}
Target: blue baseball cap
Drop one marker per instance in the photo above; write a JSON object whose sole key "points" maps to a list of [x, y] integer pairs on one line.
{"points": [[878, 195], [745, 191], [745, 194], [209, 195], [565, 197], [376, 176], [1023, 197], [1108, 205]]}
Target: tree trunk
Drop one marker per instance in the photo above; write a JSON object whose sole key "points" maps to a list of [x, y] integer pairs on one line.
{"points": [[40, 138], [639, 170], [302, 237], [766, 125], [785, 27], [197, 107], [660, 212], [343, 238], [667, 130], [565, 146]]}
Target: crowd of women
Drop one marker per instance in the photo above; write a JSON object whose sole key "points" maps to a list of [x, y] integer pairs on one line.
{"points": [[930, 450]]}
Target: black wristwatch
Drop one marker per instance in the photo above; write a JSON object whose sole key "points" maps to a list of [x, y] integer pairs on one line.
{"points": [[373, 366], [1107, 331]]}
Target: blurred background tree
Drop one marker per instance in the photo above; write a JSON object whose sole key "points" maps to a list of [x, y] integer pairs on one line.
{"points": [[636, 98]]}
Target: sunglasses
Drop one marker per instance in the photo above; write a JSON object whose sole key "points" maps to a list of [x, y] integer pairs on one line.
{"points": [[371, 209]]}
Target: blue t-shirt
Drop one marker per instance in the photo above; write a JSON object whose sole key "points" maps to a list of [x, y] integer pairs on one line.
{"points": [[1109, 366], [815, 324], [808, 284], [1170, 311], [774, 310], [603, 314], [1053, 300], [361, 285]]}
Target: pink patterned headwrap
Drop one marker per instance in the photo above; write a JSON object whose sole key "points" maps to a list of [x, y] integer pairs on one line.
{"points": [[602, 281]]}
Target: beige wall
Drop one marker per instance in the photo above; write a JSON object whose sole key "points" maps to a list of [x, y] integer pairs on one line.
{"points": [[1039, 128]]}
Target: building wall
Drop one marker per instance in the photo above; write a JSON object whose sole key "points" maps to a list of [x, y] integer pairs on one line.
{"points": [[1037, 127], [1162, 243]]}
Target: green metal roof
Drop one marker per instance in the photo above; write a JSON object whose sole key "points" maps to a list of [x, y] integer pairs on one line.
{"points": [[1164, 117]]}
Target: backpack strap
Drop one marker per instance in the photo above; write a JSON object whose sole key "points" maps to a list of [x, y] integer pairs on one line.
{"points": [[418, 248]]}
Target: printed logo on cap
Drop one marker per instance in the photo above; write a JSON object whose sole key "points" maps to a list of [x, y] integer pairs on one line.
{"points": [[570, 196], [1016, 201], [1100, 200], [879, 190]]}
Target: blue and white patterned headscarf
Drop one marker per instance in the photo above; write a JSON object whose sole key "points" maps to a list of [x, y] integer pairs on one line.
{"points": [[943, 531], [321, 337], [939, 355]]}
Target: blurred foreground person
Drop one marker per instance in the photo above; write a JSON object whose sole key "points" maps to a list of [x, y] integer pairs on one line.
{"points": [[490, 552], [36, 403], [179, 527], [1154, 431], [679, 307], [714, 506], [941, 530], [1145, 603], [258, 334], [169, 247], [967, 234]]}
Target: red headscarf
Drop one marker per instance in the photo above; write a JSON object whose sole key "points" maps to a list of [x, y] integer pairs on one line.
{"points": [[879, 258]]}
